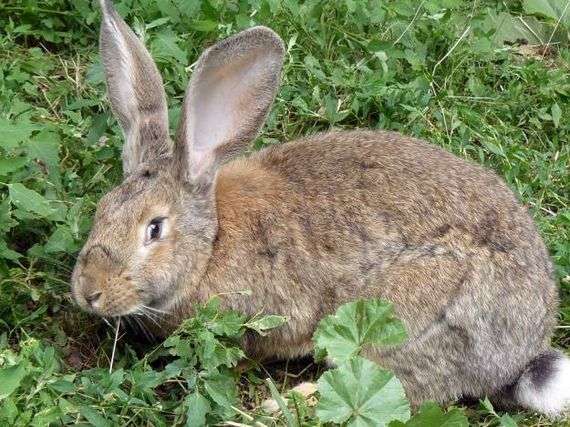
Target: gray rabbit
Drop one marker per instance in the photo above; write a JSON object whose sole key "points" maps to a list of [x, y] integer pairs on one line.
{"points": [[315, 223]]}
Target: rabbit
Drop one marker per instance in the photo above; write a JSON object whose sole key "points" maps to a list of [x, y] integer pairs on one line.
{"points": [[309, 225]]}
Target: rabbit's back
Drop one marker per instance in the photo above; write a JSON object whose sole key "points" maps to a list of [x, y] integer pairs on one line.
{"points": [[402, 209], [314, 223]]}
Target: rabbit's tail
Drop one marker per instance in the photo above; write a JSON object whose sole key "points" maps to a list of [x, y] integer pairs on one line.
{"points": [[544, 385]]}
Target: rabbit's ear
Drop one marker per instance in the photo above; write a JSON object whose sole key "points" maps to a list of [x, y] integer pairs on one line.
{"points": [[135, 90], [230, 94]]}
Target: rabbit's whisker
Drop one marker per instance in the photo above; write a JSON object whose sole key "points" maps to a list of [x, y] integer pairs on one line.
{"points": [[142, 327], [145, 314], [128, 320], [155, 309], [107, 322], [142, 313], [153, 320]]}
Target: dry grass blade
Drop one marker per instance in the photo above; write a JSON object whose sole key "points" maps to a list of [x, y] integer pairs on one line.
{"points": [[115, 344]]}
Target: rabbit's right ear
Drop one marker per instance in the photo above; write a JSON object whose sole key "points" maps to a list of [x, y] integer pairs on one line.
{"points": [[135, 90], [230, 94]]}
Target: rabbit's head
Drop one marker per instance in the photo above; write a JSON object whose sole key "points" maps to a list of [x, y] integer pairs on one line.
{"points": [[153, 234]]}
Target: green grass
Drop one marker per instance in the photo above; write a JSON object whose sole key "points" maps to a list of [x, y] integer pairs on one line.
{"points": [[453, 72]]}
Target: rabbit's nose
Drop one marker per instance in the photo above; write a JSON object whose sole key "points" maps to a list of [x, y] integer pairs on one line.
{"points": [[93, 297]]}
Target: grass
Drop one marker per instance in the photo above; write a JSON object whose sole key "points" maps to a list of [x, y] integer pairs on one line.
{"points": [[487, 80]]}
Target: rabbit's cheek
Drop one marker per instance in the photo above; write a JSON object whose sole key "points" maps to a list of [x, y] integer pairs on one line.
{"points": [[162, 255], [157, 269]]}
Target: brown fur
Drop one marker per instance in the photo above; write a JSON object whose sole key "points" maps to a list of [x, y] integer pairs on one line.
{"points": [[307, 228], [312, 224]]}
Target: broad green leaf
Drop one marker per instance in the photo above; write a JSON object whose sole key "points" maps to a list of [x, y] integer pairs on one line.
{"points": [[168, 9], [10, 379], [179, 347], [331, 109], [355, 325], [7, 222], [431, 415], [198, 408], [553, 9], [488, 406], [8, 410], [94, 417], [9, 165], [166, 46], [7, 253], [49, 415], [95, 74], [360, 393], [29, 200], [314, 67], [98, 128], [229, 324], [63, 386], [508, 28], [213, 353], [12, 133], [266, 323], [493, 148], [60, 241], [189, 8], [221, 388], [173, 369], [45, 147]]}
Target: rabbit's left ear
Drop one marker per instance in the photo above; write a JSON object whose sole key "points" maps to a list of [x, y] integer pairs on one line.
{"points": [[230, 94], [135, 90]]}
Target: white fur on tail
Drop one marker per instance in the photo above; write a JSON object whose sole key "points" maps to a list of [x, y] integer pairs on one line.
{"points": [[547, 390]]}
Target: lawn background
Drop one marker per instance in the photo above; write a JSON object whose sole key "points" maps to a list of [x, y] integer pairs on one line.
{"points": [[487, 80]]}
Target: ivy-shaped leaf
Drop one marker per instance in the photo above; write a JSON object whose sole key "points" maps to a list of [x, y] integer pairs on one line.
{"points": [[356, 324], [360, 393]]}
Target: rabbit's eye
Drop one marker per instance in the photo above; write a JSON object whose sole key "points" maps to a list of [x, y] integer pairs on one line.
{"points": [[154, 230]]}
